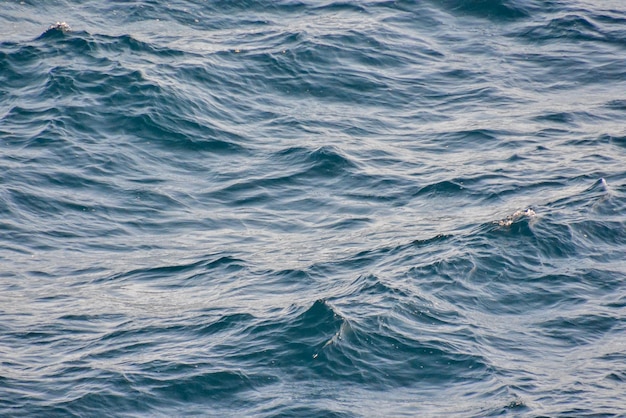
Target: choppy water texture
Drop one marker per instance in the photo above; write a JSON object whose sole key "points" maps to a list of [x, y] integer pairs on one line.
{"points": [[313, 208]]}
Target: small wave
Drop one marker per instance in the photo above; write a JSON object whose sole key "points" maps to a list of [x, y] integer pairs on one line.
{"points": [[56, 29]]}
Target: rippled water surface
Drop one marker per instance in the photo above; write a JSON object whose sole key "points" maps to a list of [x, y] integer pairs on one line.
{"points": [[313, 208]]}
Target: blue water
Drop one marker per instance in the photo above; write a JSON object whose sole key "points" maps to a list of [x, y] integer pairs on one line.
{"points": [[313, 208]]}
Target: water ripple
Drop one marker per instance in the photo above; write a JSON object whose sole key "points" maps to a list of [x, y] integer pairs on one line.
{"points": [[312, 208]]}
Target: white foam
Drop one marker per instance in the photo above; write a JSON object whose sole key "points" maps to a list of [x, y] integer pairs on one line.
{"points": [[508, 221], [62, 26]]}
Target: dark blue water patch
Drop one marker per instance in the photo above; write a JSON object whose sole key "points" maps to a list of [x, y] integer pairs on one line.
{"points": [[120, 89], [322, 162], [368, 259], [397, 190], [459, 99], [185, 274], [290, 344], [341, 7], [227, 323], [443, 188], [618, 140], [302, 72], [612, 24], [619, 105], [31, 204], [90, 399], [569, 71], [571, 27], [17, 133], [21, 67], [560, 117], [486, 187], [185, 385], [295, 168], [424, 361], [229, 7], [305, 411], [597, 198], [580, 330], [349, 347], [617, 376], [482, 138], [601, 236], [373, 50], [192, 14], [554, 240], [372, 286], [184, 135], [81, 44], [495, 10]]}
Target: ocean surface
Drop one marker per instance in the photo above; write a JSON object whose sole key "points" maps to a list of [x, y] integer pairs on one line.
{"points": [[313, 208]]}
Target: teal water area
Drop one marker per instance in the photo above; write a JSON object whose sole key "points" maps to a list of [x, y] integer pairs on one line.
{"points": [[298, 208]]}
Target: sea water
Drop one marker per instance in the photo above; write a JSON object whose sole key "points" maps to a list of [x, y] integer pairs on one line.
{"points": [[312, 208]]}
